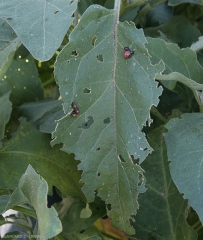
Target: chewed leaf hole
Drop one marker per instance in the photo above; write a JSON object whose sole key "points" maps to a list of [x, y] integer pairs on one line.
{"points": [[135, 160], [71, 2], [87, 124], [98, 174], [106, 120], [74, 53], [121, 158], [108, 206], [100, 57], [87, 90], [94, 38], [98, 149], [82, 231]]}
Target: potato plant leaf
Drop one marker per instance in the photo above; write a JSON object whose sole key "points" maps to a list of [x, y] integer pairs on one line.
{"points": [[33, 189], [114, 96], [36, 23], [184, 143]]}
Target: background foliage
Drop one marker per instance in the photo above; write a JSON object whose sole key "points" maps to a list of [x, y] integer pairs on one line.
{"points": [[132, 157]]}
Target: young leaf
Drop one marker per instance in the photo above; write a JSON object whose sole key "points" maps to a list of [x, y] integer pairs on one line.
{"points": [[29, 146], [36, 23], [167, 217], [184, 144], [33, 189], [114, 96]]}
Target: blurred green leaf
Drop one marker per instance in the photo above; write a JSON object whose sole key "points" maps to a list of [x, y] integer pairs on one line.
{"points": [[36, 23], [9, 42], [29, 146], [5, 113], [184, 144], [162, 200], [22, 80], [177, 29], [114, 97], [177, 2], [43, 114]]}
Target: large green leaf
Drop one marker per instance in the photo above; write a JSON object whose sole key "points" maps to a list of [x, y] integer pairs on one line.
{"points": [[162, 201], [184, 143], [114, 96], [33, 189], [5, 112], [29, 146], [37, 23]]}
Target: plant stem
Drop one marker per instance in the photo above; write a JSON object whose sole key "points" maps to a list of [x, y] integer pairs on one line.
{"points": [[117, 6], [157, 114], [48, 82], [27, 211]]}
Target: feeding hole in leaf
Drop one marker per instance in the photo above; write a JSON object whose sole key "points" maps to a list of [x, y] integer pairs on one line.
{"points": [[82, 231], [106, 120], [135, 160], [74, 53], [141, 180], [87, 124], [71, 2], [100, 57], [98, 174], [87, 90], [56, 11], [98, 149], [94, 38], [108, 206], [121, 158]]}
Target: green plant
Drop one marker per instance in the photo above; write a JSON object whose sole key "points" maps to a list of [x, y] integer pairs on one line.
{"points": [[134, 152]]}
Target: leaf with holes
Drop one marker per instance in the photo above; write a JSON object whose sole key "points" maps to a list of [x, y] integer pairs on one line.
{"points": [[114, 96]]}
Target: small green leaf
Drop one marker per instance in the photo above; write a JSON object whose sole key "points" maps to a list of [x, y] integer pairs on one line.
{"points": [[86, 212], [72, 220], [29, 146], [37, 23], [33, 189], [184, 143]]}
